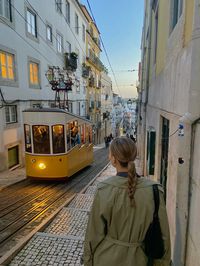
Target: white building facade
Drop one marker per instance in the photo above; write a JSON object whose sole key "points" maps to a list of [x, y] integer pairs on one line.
{"points": [[35, 35]]}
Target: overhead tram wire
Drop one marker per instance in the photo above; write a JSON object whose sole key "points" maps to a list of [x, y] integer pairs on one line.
{"points": [[104, 49]]}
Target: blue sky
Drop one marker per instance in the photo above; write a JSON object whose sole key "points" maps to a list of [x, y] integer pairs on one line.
{"points": [[120, 24]]}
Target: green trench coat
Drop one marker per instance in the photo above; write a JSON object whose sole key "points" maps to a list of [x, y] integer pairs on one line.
{"points": [[116, 230]]}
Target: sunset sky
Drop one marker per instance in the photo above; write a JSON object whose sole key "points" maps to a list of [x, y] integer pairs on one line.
{"points": [[120, 24]]}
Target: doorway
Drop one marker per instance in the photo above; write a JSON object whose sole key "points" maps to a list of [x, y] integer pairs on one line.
{"points": [[164, 154]]}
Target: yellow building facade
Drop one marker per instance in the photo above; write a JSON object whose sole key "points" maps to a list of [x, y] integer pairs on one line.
{"points": [[94, 81]]}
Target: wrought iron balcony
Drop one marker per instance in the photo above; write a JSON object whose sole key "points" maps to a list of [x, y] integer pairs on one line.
{"points": [[85, 71], [92, 58]]}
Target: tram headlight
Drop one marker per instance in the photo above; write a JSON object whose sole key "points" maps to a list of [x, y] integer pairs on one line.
{"points": [[42, 166]]}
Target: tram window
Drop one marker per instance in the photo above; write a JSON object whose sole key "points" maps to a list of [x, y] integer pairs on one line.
{"points": [[90, 134], [68, 134], [27, 134], [87, 134], [74, 133], [79, 139], [58, 139], [41, 141], [82, 132]]}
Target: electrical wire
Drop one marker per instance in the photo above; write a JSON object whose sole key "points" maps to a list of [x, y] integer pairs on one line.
{"points": [[89, 6], [41, 36]]}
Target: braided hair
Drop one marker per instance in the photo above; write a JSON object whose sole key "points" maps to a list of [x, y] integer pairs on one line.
{"points": [[124, 150]]}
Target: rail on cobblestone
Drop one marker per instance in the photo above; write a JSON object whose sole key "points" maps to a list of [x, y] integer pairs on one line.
{"points": [[62, 241], [15, 217]]}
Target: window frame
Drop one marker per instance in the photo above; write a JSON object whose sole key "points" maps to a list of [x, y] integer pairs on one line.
{"points": [[34, 15], [58, 6], [68, 13], [10, 110], [83, 33], [48, 26], [58, 43], [76, 23], [3, 8], [6, 66], [176, 12], [10, 82], [37, 62]]}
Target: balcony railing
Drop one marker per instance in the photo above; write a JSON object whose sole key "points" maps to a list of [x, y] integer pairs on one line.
{"points": [[85, 71], [98, 104], [95, 60], [91, 81]]}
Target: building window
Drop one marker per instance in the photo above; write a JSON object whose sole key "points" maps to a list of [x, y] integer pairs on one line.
{"points": [[68, 12], [59, 43], [176, 11], [59, 6], [83, 32], [31, 23], [5, 9], [76, 24], [6, 66], [11, 114], [34, 73], [49, 33], [68, 47], [156, 36], [70, 107], [78, 108]]}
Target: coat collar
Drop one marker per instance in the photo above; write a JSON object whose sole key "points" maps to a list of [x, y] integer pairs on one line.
{"points": [[119, 181]]}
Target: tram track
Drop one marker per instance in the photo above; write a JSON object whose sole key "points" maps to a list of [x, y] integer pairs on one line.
{"points": [[20, 216]]}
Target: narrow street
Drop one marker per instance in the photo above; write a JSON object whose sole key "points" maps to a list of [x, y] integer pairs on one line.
{"points": [[29, 203]]}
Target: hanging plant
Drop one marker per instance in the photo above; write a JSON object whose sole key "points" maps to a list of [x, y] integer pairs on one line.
{"points": [[73, 54]]}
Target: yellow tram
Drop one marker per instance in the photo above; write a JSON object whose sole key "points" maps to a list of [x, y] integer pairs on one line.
{"points": [[57, 143]]}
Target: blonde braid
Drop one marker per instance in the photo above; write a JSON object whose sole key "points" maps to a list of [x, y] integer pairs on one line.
{"points": [[124, 150], [132, 181]]}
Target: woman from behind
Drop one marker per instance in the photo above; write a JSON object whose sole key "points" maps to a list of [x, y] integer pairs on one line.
{"points": [[122, 213]]}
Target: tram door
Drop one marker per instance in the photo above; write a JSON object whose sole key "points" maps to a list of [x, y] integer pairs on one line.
{"points": [[164, 154]]}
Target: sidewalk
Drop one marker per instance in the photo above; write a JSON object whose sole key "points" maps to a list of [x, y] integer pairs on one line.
{"points": [[62, 241], [10, 177]]}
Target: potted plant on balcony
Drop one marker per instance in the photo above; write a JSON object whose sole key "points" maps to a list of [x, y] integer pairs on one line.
{"points": [[74, 55]]}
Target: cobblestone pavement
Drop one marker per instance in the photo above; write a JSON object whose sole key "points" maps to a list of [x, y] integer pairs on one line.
{"points": [[62, 241]]}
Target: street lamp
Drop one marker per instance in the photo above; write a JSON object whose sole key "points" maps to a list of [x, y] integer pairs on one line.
{"points": [[60, 82]]}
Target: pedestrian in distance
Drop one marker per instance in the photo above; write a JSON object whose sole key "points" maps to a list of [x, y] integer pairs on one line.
{"points": [[106, 139], [121, 214]]}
